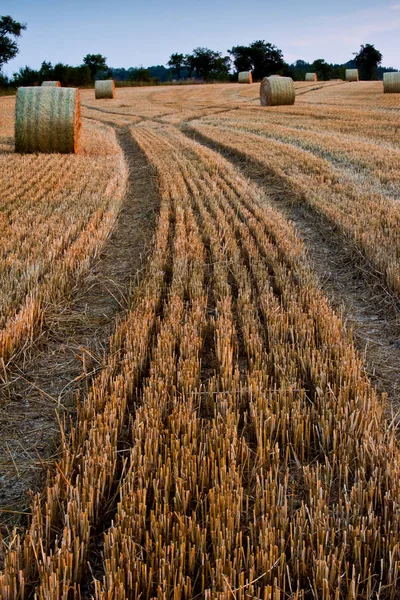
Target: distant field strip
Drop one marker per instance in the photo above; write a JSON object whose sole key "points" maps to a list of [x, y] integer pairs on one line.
{"points": [[363, 213]]}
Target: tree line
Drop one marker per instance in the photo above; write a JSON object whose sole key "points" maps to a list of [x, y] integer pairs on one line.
{"points": [[203, 64]]}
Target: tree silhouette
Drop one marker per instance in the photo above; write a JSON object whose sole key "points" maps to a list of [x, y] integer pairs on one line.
{"points": [[260, 57], [177, 63], [8, 46], [207, 64], [140, 75], [367, 60], [96, 63], [322, 69]]}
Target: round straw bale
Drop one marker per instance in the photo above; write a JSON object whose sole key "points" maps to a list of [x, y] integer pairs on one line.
{"points": [[245, 77], [276, 90], [104, 89], [47, 119], [51, 84], [311, 77], [352, 75], [391, 82]]}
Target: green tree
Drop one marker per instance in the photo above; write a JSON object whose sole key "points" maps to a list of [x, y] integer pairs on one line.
{"points": [[206, 64], [322, 69], [96, 64], [261, 57], [141, 75], [26, 76], [4, 81], [46, 71], [66, 74], [367, 60], [80, 75], [9, 29], [177, 63]]}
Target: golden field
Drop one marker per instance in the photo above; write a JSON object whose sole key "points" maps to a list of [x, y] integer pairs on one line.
{"points": [[232, 444], [56, 212]]}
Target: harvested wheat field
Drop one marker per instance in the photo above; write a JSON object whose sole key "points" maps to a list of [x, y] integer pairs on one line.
{"points": [[200, 348]]}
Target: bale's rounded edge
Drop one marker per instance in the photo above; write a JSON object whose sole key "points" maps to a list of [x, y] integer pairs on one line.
{"points": [[391, 82], [47, 119], [104, 89], [352, 75], [245, 77], [311, 77], [277, 91], [51, 84]]}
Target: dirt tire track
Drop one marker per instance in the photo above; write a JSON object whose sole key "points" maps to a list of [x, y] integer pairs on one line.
{"points": [[352, 285], [74, 342]]}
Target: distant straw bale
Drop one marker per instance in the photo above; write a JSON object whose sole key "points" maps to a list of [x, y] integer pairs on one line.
{"points": [[352, 75], [391, 82], [47, 119], [277, 90], [51, 84], [311, 77], [104, 89], [245, 77]]}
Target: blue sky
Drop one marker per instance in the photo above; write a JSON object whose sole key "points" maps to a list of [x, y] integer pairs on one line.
{"points": [[146, 32]]}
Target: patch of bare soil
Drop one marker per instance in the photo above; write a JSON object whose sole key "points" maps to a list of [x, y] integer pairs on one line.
{"points": [[43, 388], [352, 285]]}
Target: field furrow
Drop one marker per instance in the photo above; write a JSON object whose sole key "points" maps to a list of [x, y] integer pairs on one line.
{"points": [[230, 444], [55, 215], [170, 538], [364, 216]]}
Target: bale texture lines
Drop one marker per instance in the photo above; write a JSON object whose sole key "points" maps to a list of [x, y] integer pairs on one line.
{"points": [[245, 77], [104, 89], [51, 84], [311, 77], [352, 75], [47, 120], [276, 90], [391, 83]]}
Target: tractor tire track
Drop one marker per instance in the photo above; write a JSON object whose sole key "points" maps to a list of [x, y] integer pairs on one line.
{"points": [[73, 345], [352, 285]]}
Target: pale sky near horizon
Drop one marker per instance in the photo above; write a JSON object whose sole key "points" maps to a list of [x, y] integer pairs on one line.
{"points": [[147, 32]]}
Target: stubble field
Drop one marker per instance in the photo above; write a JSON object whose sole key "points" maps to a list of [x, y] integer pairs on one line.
{"points": [[234, 437]]}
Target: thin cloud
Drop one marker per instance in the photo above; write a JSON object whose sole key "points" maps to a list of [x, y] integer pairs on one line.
{"points": [[344, 33]]}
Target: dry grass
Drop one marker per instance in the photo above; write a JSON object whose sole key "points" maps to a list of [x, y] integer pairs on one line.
{"points": [[56, 213], [232, 445], [355, 183]]}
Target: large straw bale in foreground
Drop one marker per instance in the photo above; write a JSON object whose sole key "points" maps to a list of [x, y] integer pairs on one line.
{"points": [[276, 90], [51, 84], [311, 77], [245, 77], [391, 82], [104, 89], [352, 75], [47, 119]]}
